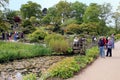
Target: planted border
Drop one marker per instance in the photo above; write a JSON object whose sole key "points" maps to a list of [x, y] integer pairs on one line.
{"points": [[70, 65], [11, 51]]}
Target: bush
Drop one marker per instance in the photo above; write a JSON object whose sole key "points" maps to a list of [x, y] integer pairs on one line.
{"points": [[57, 43], [65, 68], [59, 46], [30, 77], [37, 35], [53, 36], [73, 28], [93, 52]]}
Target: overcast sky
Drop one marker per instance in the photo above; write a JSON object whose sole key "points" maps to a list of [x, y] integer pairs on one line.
{"points": [[16, 4]]}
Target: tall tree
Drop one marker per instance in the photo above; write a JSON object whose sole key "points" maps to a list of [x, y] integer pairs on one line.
{"points": [[92, 13], [30, 9], [78, 10], [3, 3], [63, 10], [9, 15], [116, 17], [106, 13]]}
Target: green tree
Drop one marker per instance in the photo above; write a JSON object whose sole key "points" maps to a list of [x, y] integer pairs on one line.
{"points": [[106, 13], [34, 21], [9, 15], [91, 27], [30, 9], [63, 10], [116, 17], [78, 10], [92, 13]]}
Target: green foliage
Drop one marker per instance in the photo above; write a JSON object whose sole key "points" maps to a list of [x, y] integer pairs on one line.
{"points": [[117, 36], [92, 13], [59, 46], [69, 21], [27, 27], [3, 26], [75, 28], [64, 68], [57, 43], [53, 36], [26, 23], [78, 9], [37, 35], [93, 52], [30, 9], [30, 77], [89, 27], [68, 66], [10, 51], [46, 19]]}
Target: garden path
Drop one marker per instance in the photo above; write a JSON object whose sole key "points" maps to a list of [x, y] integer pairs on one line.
{"points": [[107, 68]]}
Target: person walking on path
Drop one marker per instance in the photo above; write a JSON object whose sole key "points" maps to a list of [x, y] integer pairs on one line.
{"points": [[113, 40], [109, 47], [101, 47]]}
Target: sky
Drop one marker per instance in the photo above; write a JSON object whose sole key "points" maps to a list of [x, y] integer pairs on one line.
{"points": [[16, 4]]}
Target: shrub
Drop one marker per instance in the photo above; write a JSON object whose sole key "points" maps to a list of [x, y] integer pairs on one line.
{"points": [[60, 46], [54, 37], [73, 28], [57, 43], [64, 68], [30, 77], [37, 35], [93, 52]]}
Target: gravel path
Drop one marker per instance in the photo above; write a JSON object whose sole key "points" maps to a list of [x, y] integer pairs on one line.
{"points": [[103, 68]]}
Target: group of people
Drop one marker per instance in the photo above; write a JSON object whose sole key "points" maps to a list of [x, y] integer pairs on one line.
{"points": [[12, 36], [106, 43]]}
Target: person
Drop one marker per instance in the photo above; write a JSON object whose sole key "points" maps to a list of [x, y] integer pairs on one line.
{"points": [[101, 47], [94, 39], [113, 40], [109, 47], [7, 36], [15, 36], [75, 41], [3, 35]]}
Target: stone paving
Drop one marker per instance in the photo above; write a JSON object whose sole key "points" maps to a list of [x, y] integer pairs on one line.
{"points": [[37, 65]]}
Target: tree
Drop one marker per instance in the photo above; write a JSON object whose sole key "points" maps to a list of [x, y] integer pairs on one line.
{"points": [[92, 13], [78, 10], [30, 9], [90, 27], [3, 3], [63, 10], [106, 13], [116, 17], [9, 16]]}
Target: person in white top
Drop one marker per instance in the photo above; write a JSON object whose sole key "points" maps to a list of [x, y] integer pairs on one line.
{"points": [[75, 41]]}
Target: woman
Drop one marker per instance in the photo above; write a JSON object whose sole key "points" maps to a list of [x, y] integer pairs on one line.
{"points": [[109, 47]]}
